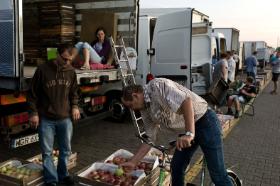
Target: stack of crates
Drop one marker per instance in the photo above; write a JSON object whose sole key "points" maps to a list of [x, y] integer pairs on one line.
{"points": [[57, 24], [31, 34]]}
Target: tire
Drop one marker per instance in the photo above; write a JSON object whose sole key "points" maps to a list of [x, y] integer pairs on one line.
{"points": [[118, 110]]}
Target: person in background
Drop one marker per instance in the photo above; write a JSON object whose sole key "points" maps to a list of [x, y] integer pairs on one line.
{"points": [[275, 72], [53, 101], [168, 105], [102, 46], [231, 67], [221, 68], [251, 65], [245, 94], [237, 61]]}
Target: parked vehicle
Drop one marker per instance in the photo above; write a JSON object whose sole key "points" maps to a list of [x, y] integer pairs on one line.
{"points": [[100, 89], [232, 37], [179, 46]]}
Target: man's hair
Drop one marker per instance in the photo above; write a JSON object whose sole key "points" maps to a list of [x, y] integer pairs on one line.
{"points": [[129, 90], [63, 47], [255, 53], [224, 55], [250, 79], [230, 53]]}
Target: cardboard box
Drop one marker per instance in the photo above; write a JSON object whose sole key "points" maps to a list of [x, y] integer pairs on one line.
{"points": [[72, 162], [82, 176], [126, 154]]}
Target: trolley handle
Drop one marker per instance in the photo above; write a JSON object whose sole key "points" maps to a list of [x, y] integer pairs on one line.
{"points": [[146, 140]]}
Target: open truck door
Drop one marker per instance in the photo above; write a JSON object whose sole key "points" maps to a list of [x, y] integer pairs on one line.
{"points": [[11, 55], [172, 47]]}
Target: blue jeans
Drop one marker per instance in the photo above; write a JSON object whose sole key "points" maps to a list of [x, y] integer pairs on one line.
{"points": [[93, 55], [208, 137], [62, 129]]}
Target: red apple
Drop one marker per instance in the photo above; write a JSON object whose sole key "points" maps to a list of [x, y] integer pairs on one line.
{"points": [[116, 160]]}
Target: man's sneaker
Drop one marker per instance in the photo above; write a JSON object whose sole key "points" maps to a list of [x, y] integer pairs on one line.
{"points": [[51, 184], [68, 180], [237, 114], [229, 112]]}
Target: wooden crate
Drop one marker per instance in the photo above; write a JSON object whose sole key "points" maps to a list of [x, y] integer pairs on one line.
{"points": [[153, 180], [72, 162], [12, 181]]}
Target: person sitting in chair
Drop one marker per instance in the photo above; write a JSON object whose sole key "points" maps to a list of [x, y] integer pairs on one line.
{"points": [[247, 92]]}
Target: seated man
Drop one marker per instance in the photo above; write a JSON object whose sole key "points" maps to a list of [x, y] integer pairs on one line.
{"points": [[245, 94]]}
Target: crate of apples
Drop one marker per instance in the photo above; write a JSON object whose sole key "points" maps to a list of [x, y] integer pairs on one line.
{"points": [[122, 156], [110, 174], [19, 172]]}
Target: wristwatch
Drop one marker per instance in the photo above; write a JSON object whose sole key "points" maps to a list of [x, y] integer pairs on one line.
{"points": [[189, 133]]}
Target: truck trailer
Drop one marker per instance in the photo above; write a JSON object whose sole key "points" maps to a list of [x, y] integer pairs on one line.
{"points": [[27, 32]]}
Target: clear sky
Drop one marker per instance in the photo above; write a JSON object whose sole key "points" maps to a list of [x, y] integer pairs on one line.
{"points": [[256, 19]]}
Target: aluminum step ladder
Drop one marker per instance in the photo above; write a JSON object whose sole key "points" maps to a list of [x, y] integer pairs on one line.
{"points": [[127, 76]]}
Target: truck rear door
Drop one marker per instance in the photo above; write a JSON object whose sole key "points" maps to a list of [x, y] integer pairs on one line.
{"points": [[8, 39], [172, 45]]}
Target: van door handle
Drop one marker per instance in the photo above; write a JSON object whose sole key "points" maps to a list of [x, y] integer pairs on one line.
{"points": [[183, 67]]}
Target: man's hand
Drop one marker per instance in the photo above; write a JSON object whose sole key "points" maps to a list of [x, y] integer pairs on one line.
{"points": [[128, 166], [34, 121], [184, 142], [76, 114]]}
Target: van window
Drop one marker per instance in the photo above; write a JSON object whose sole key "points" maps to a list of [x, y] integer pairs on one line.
{"points": [[214, 52]]}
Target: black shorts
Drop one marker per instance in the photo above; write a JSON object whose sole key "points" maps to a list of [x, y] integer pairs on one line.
{"points": [[275, 76]]}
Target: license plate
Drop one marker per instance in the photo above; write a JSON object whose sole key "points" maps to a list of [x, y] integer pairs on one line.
{"points": [[18, 142]]}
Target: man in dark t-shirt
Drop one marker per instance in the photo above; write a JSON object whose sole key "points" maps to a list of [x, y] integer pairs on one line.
{"points": [[247, 92]]}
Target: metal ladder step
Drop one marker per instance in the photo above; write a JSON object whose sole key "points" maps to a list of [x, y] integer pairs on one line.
{"points": [[124, 77]]}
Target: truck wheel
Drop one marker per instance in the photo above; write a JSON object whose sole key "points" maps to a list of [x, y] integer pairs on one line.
{"points": [[118, 110]]}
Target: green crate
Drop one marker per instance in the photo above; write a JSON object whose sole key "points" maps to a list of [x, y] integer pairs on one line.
{"points": [[51, 53]]}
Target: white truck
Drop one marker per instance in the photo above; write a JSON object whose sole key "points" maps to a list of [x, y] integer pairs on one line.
{"points": [[179, 46], [232, 37], [100, 89], [261, 47]]}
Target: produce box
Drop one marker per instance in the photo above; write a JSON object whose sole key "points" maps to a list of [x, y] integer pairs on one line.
{"points": [[72, 162], [148, 163], [104, 174], [225, 121], [17, 172]]}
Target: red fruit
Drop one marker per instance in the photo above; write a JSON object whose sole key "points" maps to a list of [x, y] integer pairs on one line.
{"points": [[116, 160], [142, 165], [100, 172], [122, 160], [117, 182], [111, 180]]}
